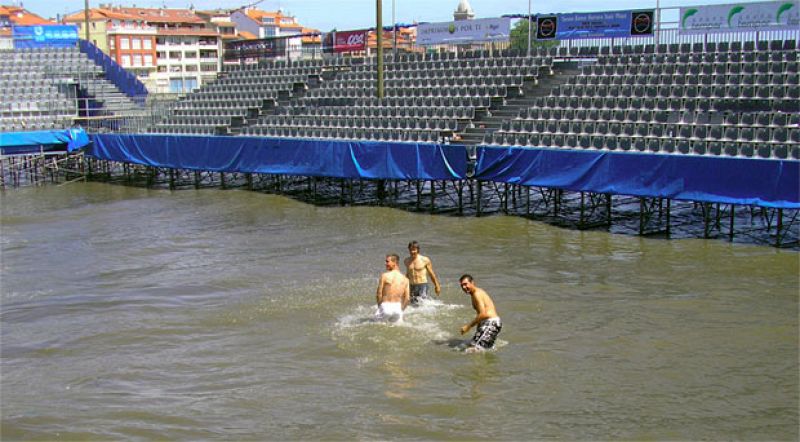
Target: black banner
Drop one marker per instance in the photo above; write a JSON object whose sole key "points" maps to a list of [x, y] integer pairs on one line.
{"points": [[546, 28], [642, 22], [263, 48]]}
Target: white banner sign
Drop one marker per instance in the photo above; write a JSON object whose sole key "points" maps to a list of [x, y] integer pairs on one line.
{"points": [[763, 16], [464, 31]]}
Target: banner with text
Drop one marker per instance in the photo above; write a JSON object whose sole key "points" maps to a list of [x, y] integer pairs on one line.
{"points": [[762, 16], [611, 24], [347, 41], [44, 36], [464, 31], [249, 49]]}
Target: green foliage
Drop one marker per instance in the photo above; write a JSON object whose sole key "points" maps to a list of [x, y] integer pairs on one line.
{"points": [[519, 37]]}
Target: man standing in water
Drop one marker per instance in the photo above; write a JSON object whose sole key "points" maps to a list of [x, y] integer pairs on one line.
{"points": [[393, 293], [417, 269], [486, 319]]}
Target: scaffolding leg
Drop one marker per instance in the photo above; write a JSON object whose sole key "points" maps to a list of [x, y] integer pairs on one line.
{"points": [[480, 194]]}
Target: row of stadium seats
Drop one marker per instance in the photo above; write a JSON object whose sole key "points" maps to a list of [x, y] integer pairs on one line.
{"points": [[746, 119], [689, 80], [372, 134], [453, 92], [446, 74], [509, 81], [714, 68], [432, 124], [708, 132], [679, 48], [456, 113], [655, 90], [662, 145]]}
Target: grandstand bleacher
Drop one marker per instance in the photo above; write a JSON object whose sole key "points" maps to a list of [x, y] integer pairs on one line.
{"points": [[697, 99], [49, 88]]}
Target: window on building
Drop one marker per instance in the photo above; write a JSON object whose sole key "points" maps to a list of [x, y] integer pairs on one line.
{"points": [[176, 68], [137, 60], [112, 42], [190, 54], [136, 43], [147, 43], [176, 85], [124, 43], [191, 68], [148, 60], [174, 55], [126, 60], [189, 84], [160, 40]]}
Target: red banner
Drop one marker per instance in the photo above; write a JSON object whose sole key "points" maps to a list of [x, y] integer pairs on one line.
{"points": [[348, 41]]}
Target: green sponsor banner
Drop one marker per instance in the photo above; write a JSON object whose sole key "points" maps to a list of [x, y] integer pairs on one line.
{"points": [[762, 16]]}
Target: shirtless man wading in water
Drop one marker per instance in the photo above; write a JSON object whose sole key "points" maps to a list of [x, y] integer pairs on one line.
{"points": [[393, 292], [418, 267]]}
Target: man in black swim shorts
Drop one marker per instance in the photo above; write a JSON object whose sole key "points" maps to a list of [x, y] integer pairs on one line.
{"points": [[486, 319]]}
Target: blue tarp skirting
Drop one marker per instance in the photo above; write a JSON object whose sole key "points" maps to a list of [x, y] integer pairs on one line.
{"points": [[768, 183], [323, 158], [16, 143]]}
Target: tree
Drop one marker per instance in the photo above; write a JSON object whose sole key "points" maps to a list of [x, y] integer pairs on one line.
{"points": [[519, 37]]}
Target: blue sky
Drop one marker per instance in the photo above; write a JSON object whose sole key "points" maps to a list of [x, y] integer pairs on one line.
{"points": [[354, 14]]}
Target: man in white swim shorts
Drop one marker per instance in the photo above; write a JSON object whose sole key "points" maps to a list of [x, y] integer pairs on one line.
{"points": [[486, 319], [392, 295]]}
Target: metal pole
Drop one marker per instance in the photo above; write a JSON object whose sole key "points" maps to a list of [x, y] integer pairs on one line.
{"points": [[86, 19], [529, 28], [379, 31], [658, 22], [394, 33]]}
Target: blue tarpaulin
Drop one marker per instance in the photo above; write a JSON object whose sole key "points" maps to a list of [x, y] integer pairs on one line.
{"points": [[760, 182], [30, 142], [323, 158]]}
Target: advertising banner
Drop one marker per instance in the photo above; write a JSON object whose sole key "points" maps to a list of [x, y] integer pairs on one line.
{"points": [[764, 16], [45, 36], [349, 41], [595, 25], [263, 48], [464, 31]]}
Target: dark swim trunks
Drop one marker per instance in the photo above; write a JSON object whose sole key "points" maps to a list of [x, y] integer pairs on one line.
{"points": [[418, 292], [486, 333]]}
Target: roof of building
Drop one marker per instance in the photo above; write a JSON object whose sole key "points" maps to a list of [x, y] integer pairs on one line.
{"points": [[248, 35], [309, 39], [270, 17], [23, 17], [101, 14]]}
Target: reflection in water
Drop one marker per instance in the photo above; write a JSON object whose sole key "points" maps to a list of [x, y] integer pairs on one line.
{"points": [[132, 313], [398, 380]]}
